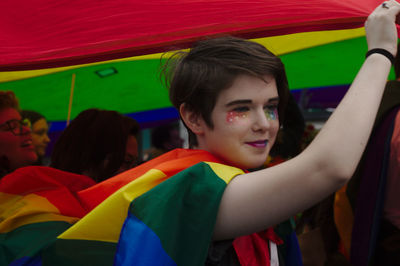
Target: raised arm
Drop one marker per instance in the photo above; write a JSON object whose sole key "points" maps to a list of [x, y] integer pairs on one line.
{"points": [[257, 200]]}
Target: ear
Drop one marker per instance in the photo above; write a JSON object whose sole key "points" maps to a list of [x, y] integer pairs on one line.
{"points": [[193, 120]]}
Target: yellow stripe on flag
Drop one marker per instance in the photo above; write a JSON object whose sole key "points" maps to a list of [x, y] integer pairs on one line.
{"points": [[16, 211], [97, 226], [279, 45], [225, 172], [285, 44]]}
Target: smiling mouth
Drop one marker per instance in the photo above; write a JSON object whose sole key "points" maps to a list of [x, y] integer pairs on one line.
{"points": [[258, 144], [27, 143]]}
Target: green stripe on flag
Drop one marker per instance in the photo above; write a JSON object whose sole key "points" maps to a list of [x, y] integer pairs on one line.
{"points": [[28, 240], [66, 252], [182, 212]]}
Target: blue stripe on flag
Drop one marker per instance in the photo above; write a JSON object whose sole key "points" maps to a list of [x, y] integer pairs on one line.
{"points": [[293, 255], [27, 261], [139, 245]]}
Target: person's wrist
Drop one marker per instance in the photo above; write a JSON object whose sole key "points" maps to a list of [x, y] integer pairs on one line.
{"points": [[381, 51]]}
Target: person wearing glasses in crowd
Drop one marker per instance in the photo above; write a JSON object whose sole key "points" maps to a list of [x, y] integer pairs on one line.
{"points": [[16, 147]]}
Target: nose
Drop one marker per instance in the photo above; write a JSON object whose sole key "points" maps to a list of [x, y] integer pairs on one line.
{"points": [[46, 138], [261, 122]]}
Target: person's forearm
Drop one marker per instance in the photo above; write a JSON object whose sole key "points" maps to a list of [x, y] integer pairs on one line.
{"points": [[343, 138]]}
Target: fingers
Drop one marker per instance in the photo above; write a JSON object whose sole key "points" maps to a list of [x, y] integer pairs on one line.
{"points": [[380, 27], [391, 6], [388, 9]]}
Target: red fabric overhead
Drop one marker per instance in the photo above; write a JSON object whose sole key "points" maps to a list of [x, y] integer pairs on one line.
{"points": [[48, 33]]}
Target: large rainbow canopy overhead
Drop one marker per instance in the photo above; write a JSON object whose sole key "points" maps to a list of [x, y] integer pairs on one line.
{"points": [[63, 56], [42, 44]]}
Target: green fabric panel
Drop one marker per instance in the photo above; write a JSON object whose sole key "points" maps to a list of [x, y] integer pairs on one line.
{"points": [[326, 65], [28, 240], [79, 252], [187, 205], [136, 87]]}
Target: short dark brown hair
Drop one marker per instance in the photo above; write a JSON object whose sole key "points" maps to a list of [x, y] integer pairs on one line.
{"points": [[32, 116], [197, 77]]}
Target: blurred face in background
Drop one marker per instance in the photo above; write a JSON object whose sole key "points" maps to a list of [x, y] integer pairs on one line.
{"points": [[16, 146], [39, 136], [131, 154]]}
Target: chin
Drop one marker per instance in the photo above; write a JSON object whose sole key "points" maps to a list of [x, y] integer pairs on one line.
{"points": [[250, 165], [41, 152], [255, 166]]}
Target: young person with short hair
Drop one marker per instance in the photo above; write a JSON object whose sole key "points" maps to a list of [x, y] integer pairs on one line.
{"points": [[231, 94], [177, 208]]}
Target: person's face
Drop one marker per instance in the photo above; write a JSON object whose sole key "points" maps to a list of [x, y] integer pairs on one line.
{"points": [[18, 149], [39, 136], [131, 154], [245, 120]]}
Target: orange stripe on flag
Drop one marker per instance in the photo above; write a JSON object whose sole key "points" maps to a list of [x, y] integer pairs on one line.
{"points": [[16, 211], [344, 217]]}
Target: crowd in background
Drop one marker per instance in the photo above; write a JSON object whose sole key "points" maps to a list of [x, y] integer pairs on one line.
{"points": [[103, 145]]}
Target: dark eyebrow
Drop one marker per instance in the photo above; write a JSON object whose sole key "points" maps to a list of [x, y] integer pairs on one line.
{"points": [[275, 99], [238, 102]]}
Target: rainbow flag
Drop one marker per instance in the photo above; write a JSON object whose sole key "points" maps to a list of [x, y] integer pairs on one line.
{"points": [[160, 213]]}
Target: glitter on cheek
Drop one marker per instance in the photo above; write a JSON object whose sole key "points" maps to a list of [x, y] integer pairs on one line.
{"points": [[234, 116], [271, 114]]}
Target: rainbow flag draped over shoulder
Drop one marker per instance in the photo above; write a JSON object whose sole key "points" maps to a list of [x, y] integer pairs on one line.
{"points": [[159, 213], [37, 204]]}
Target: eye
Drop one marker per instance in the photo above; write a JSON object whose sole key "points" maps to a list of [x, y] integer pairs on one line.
{"points": [[241, 109], [40, 132], [13, 124], [271, 107], [271, 112]]}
